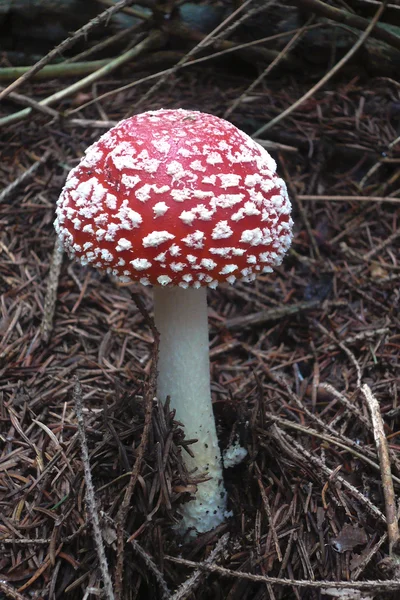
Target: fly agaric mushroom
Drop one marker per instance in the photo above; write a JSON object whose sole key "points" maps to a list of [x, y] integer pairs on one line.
{"points": [[180, 200]]}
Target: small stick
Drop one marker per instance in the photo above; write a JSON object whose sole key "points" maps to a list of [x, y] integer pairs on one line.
{"points": [[290, 445], [386, 472], [343, 347], [373, 585], [82, 32], [272, 314], [147, 559], [153, 40], [292, 42], [203, 43], [378, 164], [10, 592], [276, 146], [389, 199], [11, 187], [386, 242], [90, 494], [109, 41], [268, 512], [52, 71], [303, 213], [326, 438], [50, 300], [228, 47], [188, 587], [345, 17], [26, 101], [149, 396], [368, 556], [327, 76]]}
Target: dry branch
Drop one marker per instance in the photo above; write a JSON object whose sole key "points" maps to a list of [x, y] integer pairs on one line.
{"points": [[374, 585], [386, 471], [347, 18], [90, 495], [67, 43], [362, 39]]}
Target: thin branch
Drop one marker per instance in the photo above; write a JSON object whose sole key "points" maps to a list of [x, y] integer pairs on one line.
{"points": [[378, 164], [26, 101], [50, 300], [287, 441], [386, 471], [147, 559], [343, 347], [327, 76], [51, 71], [154, 39], [228, 47], [90, 494], [271, 314], [189, 586], [391, 584], [65, 44], [10, 592], [22, 178], [326, 438], [148, 401], [384, 244], [204, 42], [350, 198], [291, 43], [346, 18]]}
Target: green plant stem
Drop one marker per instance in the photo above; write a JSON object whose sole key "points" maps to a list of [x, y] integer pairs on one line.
{"points": [[58, 70]]}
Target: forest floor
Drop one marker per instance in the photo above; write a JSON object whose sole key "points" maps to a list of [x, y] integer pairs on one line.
{"points": [[305, 362]]}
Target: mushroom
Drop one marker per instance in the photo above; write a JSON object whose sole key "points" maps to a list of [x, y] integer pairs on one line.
{"points": [[180, 200]]}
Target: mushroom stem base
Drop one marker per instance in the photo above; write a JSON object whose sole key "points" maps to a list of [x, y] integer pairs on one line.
{"points": [[184, 375]]}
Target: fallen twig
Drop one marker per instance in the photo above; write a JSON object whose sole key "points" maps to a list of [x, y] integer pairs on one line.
{"points": [[203, 43], [148, 400], [26, 101], [350, 198], [389, 585], [272, 314], [352, 449], [189, 586], [65, 44], [90, 495], [228, 48], [378, 164], [291, 43], [327, 76], [343, 347], [154, 39], [51, 292], [12, 186], [149, 562], [288, 443], [386, 471], [51, 71], [384, 244], [347, 18], [10, 592]]}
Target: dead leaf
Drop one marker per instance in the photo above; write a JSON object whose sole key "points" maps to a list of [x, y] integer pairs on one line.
{"points": [[349, 537]]}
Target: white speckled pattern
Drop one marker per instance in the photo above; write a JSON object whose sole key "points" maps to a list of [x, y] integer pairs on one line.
{"points": [[176, 179]]}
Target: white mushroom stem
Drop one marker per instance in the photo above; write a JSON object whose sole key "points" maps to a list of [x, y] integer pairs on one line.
{"points": [[184, 375]]}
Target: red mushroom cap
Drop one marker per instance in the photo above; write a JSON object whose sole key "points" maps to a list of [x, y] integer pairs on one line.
{"points": [[176, 197]]}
